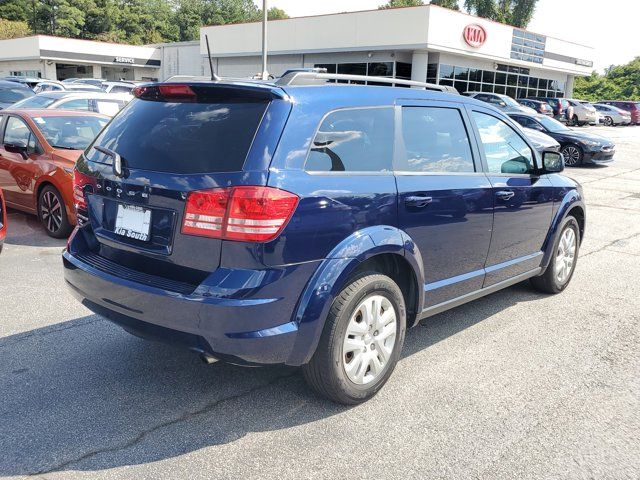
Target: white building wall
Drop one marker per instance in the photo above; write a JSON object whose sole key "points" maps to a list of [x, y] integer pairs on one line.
{"points": [[21, 66], [403, 27], [180, 59]]}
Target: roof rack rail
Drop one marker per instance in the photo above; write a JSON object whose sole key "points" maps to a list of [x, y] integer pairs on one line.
{"points": [[318, 78]]}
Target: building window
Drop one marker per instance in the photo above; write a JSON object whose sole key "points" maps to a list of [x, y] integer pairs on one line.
{"points": [[373, 69], [26, 73], [527, 46], [380, 69], [403, 70], [516, 82]]}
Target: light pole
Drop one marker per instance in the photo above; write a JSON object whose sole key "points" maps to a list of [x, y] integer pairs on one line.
{"points": [[265, 73]]}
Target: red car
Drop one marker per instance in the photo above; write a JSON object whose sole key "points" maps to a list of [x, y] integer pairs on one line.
{"points": [[3, 220], [38, 151]]}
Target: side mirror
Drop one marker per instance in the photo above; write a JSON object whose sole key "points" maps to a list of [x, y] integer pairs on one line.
{"points": [[553, 162], [13, 148]]}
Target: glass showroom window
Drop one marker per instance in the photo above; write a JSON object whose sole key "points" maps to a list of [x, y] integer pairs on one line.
{"points": [[506, 79]]}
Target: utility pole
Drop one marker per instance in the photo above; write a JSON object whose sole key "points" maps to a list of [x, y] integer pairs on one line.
{"points": [[35, 28], [265, 73]]}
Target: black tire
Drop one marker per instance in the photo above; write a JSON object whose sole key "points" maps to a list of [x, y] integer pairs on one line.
{"points": [[325, 373], [571, 159], [608, 121], [548, 282], [52, 213]]}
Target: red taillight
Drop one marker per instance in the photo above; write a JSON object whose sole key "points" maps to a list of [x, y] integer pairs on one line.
{"points": [[167, 92], [80, 184], [248, 214], [177, 91]]}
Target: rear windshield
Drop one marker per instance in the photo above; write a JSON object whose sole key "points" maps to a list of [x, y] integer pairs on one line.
{"points": [[182, 137], [12, 95], [37, 101]]}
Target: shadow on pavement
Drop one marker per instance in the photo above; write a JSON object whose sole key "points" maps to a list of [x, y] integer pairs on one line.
{"points": [[85, 396], [26, 230]]}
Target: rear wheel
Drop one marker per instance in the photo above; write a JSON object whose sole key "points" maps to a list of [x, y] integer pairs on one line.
{"points": [[608, 121], [572, 155], [53, 213], [563, 261], [361, 341]]}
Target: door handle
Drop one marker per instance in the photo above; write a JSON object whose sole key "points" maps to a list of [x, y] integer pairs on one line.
{"points": [[419, 201], [505, 194]]}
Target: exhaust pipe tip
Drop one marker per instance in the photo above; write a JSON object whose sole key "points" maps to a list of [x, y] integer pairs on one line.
{"points": [[207, 359]]}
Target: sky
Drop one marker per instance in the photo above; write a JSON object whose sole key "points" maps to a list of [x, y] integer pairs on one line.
{"points": [[610, 26]]}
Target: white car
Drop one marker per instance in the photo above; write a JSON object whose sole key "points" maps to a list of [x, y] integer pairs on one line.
{"points": [[100, 102], [610, 115]]}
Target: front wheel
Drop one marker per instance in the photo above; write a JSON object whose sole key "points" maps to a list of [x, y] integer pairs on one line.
{"points": [[572, 155], [361, 341], [563, 261], [608, 121]]}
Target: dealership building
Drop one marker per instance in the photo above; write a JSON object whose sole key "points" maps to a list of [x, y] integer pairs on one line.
{"points": [[426, 43]]}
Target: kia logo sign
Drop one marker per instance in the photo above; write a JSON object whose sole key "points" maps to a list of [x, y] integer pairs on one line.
{"points": [[474, 35]]}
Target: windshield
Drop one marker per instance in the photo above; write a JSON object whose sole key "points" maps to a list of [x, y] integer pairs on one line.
{"points": [[12, 95], [509, 101], [37, 101], [552, 125], [70, 133]]}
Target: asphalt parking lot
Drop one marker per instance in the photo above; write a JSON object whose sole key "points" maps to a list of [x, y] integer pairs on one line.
{"points": [[515, 385]]}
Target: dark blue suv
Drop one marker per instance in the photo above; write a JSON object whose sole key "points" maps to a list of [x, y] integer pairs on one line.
{"points": [[310, 225]]}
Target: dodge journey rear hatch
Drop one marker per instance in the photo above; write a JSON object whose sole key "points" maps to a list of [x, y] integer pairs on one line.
{"points": [[174, 175]]}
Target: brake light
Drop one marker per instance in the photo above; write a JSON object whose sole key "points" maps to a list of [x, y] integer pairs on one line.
{"points": [[166, 92], [248, 214], [82, 184]]}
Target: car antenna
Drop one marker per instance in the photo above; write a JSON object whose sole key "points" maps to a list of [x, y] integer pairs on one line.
{"points": [[214, 77]]}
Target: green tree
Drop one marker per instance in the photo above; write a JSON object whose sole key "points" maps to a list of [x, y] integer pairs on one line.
{"points": [[620, 82], [275, 13], [18, 10], [512, 12], [401, 3], [13, 29], [452, 4]]}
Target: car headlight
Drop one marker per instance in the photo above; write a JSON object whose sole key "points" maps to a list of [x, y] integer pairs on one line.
{"points": [[591, 143]]}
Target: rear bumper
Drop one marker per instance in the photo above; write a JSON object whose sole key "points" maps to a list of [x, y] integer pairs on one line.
{"points": [[245, 326]]}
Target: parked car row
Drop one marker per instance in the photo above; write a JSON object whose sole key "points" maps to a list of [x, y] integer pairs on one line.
{"points": [[571, 111]]}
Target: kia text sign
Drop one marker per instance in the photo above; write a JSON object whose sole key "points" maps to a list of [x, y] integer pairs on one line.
{"points": [[474, 35]]}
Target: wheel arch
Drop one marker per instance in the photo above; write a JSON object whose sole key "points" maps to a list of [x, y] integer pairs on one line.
{"points": [[571, 203], [382, 249]]}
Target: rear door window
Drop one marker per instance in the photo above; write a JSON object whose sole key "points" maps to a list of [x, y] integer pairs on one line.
{"points": [[435, 140], [353, 140], [183, 138]]}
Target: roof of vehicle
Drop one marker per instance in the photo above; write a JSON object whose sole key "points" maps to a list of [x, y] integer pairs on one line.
{"points": [[341, 95], [56, 113]]}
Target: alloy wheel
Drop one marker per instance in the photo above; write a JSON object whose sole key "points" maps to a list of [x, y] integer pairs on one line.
{"points": [[565, 256], [51, 212], [369, 339], [571, 155], [608, 121]]}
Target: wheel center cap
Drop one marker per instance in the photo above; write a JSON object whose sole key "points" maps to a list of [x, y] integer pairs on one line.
{"points": [[367, 338]]}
